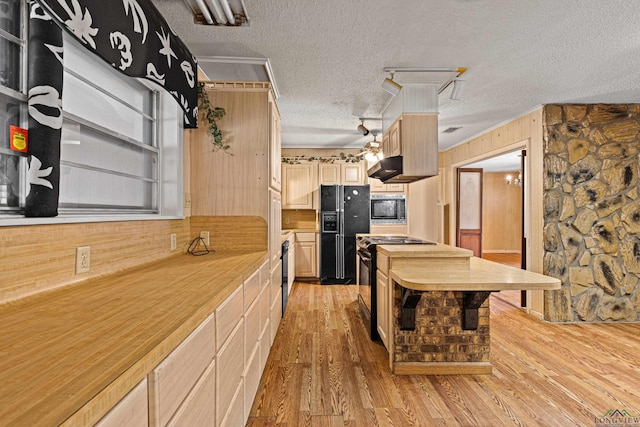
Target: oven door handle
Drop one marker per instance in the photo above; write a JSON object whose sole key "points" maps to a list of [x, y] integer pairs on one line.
{"points": [[364, 255]]}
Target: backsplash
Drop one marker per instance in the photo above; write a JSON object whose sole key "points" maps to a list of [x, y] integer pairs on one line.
{"points": [[37, 258], [299, 219]]}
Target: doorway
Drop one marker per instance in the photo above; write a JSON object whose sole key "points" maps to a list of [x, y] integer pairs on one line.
{"points": [[503, 214]]}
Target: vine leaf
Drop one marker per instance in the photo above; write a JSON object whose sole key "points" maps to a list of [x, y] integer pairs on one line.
{"points": [[212, 115]]}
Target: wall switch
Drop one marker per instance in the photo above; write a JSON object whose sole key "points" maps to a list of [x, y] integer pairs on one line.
{"points": [[187, 200], [83, 259], [174, 241], [205, 237], [286, 221]]}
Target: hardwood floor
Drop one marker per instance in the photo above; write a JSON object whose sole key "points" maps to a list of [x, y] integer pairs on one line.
{"points": [[324, 371], [513, 260]]}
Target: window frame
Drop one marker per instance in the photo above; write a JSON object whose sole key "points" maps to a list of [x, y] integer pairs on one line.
{"points": [[166, 130]]}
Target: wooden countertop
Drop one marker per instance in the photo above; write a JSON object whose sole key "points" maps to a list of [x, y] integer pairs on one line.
{"points": [[482, 275], [94, 340], [421, 251]]}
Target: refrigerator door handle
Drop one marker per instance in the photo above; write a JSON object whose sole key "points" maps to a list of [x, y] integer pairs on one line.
{"points": [[337, 241]]}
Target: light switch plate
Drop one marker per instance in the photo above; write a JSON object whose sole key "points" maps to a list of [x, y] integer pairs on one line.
{"points": [[205, 237]]}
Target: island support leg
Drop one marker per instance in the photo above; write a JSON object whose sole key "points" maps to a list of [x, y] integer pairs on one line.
{"points": [[471, 302]]}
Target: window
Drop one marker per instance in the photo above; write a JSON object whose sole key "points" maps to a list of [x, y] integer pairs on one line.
{"points": [[121, 143], [13, 101]]}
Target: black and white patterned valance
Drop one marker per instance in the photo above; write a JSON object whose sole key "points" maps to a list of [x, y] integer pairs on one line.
{"points": [[133, 37]]}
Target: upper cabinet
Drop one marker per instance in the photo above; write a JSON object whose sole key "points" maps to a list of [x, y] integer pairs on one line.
{"points": [[274, 145], [341, 173], [299, 184], [236, 183], [391, 141]]}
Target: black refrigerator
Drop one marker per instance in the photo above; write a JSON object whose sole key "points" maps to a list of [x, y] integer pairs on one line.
{"points": [[344, 212]]}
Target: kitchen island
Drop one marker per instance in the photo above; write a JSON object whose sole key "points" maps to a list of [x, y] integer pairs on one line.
{"points": [[433, 306]]}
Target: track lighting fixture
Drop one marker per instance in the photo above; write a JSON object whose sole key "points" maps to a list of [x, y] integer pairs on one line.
{"points": [[362, 129], [390, 86]]}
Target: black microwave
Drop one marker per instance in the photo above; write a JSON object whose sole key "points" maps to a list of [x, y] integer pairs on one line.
{"points": [[388, 209]]}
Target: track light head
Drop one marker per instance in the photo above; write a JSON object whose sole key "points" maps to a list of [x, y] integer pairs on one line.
{"points": [[458, 89], [362, 129], [390, 86]]}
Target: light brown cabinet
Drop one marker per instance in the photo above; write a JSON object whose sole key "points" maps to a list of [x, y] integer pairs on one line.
{"points": [[383, 296], [275, 162], [306, 255], [174, 378], [299, 185], [131, 411], [376, 186], [341, 173], [391, 145]]}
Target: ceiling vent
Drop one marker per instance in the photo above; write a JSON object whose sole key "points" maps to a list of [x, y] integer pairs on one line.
{"points": [[229, 13], [451, 129]]}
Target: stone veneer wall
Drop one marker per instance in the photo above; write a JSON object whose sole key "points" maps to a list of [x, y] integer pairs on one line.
{"points": [[438, 336], [592, 211]]}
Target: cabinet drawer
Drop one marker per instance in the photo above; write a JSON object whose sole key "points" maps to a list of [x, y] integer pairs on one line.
{"points": [[228, 314], [171, 380], [198, 408], [276, 314], [251, 380], [229, 369], [265, 345], [251, 289], [264, 307], [264, 274], [234, 417], [276, 282], [131, 411], [305, 237], [252, 329]]}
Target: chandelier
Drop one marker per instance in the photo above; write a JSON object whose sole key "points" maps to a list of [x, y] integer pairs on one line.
{"points": [[514, 180]]}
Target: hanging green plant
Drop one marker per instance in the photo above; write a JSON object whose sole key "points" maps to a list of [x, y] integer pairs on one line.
{"points": [[212, 115]]}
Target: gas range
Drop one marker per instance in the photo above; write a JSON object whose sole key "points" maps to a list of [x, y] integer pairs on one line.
{"points": [[367, 270], [367, 241]]}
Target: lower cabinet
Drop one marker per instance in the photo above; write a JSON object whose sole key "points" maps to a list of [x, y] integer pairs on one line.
{"points": [[229, 370], [132, 411], [212, 377], [172, 380], [198, 408], [306, 255], [382, 304]]}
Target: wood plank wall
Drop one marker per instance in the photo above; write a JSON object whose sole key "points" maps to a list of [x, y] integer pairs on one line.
{"points": [[501, 214], [36, 258], [525, 130]]}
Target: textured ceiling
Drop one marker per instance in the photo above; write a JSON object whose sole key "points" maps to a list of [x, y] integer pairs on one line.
{"points": [[328, 57]]}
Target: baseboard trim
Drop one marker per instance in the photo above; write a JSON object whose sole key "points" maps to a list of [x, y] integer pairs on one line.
{"points": [[500, 251], [442, 368]]}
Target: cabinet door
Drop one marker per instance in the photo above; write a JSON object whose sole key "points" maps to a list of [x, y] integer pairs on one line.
{"points": [[275, 159], [306, 255], [299, 182], [198, 408], [352, 173], [131, 411], [382, 301], [395, 141], [329, 174], [275, 227], [172, 380]]}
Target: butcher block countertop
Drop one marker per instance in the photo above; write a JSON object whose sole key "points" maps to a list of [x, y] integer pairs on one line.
{"points": [[482, 275], [71, 353], [437, 250]]}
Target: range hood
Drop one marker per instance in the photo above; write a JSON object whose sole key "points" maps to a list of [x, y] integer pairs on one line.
{"points": [[414, 112], [390, 170], [419, 153]]}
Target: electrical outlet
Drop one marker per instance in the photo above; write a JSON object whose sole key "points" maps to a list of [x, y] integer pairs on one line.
{"points": [[187, 200], [174, 241], [205, 237], [83, 259]]}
